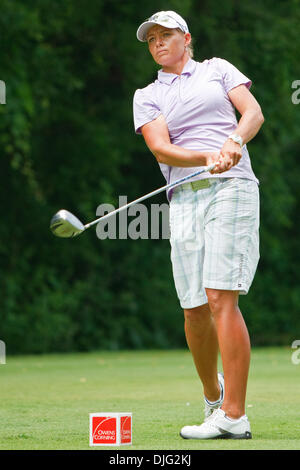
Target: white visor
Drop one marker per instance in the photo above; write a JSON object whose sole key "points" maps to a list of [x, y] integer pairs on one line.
{"points": [[168, 19]]}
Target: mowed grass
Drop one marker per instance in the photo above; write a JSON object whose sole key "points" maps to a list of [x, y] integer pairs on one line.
{"points": [[46, 400]]}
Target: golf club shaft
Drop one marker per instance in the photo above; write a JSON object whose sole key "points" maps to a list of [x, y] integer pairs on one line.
{"points": [[153, 193]]}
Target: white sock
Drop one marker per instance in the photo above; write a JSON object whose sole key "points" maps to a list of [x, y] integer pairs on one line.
{"points": [[234, 419], [212, 403]]}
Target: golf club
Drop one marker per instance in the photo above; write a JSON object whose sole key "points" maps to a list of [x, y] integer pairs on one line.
{"points": [[66, 225]]}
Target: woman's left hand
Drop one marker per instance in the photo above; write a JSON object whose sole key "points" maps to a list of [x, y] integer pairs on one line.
{"points": [[230, 155]]}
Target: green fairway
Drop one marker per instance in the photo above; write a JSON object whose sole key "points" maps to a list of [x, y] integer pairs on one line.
{"points": [[46, 400]]}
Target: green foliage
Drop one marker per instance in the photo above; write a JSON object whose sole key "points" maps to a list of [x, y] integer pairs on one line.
{"points": [[67, 140]]}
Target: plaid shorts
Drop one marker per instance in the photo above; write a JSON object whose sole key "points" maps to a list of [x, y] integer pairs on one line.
{"points": [[214, 237]]}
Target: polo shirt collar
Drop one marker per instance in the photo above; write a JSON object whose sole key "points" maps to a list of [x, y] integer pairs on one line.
{"points": [[168, 78]]}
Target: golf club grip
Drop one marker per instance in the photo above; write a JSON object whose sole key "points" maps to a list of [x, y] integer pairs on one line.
{"points": [[203, 169]]}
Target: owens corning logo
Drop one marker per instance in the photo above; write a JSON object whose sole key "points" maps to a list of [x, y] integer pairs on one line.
{"points": [[105, 434]]}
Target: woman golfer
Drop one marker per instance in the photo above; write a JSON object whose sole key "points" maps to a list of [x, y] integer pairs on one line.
{"points": [[187, 118]]}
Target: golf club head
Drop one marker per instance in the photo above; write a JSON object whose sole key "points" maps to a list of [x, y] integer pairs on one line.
{"points": [[64, 224]]}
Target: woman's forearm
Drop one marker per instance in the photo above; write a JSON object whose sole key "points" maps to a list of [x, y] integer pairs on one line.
{"points": [[157, 138], [174, 155], [249, 124]]}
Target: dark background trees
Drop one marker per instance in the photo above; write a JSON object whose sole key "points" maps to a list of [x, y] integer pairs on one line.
{"points": [[67, 140]]}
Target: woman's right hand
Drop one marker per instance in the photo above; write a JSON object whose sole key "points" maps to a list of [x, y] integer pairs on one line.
{"points": [[213, 157]]}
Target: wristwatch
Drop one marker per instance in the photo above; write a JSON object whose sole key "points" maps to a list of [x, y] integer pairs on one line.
{"points": [[236, 138]]}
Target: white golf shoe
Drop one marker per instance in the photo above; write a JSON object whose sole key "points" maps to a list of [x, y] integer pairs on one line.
{"points": [[211, 406], [219, 426]]}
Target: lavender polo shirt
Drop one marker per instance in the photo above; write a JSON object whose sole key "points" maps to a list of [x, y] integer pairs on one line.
{"points": [[197, 110]]}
